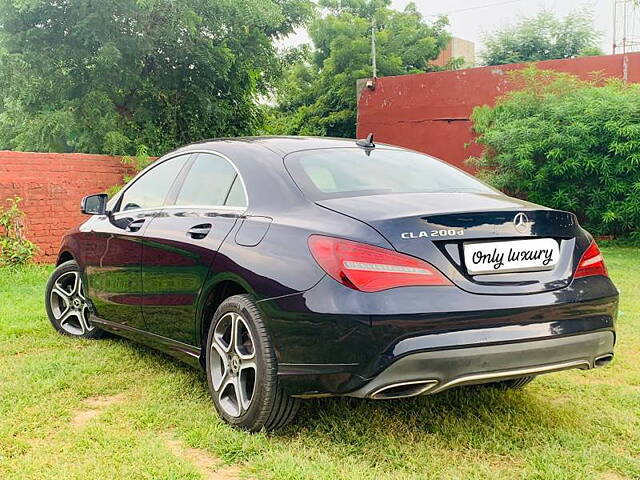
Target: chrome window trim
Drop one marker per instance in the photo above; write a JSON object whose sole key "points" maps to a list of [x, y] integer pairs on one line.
{"points": [[170, 156], [205, 207], [182, 207], [223, 156]]}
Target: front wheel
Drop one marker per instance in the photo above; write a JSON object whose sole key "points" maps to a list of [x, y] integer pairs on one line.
{"points": [[242, 369], [66, 303]]}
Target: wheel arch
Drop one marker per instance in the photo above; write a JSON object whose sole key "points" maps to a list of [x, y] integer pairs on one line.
{"points": [[64, 256], [215, 294]]}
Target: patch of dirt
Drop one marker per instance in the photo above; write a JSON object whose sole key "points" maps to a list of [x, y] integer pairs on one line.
{"points": [[504, 462], [209, 466], [93, 407], [612, 476]]}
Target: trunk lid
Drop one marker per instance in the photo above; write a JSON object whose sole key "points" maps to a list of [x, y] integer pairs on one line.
{"points": [[436, 226]]}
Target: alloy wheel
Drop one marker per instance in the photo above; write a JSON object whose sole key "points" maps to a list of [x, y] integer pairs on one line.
{"points": [[233, 364], [69, 304]]}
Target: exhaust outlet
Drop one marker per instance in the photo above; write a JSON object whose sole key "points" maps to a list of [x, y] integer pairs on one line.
{"points": [[403, 390], [603, 360]]}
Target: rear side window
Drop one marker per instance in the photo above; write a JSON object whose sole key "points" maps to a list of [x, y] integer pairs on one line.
{"points": [[212, 181], [349, 172], [236, 196], [150, 190]]}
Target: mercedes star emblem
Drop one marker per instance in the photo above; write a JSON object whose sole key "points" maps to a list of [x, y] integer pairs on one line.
{"points": [[521, 222]]}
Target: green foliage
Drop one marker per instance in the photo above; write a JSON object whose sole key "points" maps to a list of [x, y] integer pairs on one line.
{"points": [[107, 76], [139, 162], [567, 144], [15, 249], [543, 37], [318, 94]]}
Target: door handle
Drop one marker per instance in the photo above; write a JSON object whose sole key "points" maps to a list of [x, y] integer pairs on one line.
{"points": [[135, 225], [199, 231]]}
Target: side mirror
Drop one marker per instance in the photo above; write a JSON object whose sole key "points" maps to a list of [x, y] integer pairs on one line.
{"points": [[94, 204]]}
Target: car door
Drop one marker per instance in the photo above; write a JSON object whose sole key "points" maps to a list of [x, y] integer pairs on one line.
{"points": [[181, 242], [113, 250]]}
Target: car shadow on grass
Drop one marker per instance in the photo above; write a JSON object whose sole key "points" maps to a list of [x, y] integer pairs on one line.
{"points": [[468, 417], [159, 358], [473, 416]]}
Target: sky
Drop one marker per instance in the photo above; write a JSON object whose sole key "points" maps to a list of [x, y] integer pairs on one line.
{"points": [[469, 19]]}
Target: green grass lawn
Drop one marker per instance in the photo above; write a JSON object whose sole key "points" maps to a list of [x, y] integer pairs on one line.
{"points": [[116, 410]]}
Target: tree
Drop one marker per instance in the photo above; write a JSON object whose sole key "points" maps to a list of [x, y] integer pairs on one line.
{"points": [[107, 76], [318, 93], [567, 144], [543, 37]]}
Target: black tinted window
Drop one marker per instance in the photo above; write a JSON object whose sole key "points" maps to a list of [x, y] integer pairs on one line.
{"points": [[212, 180], [151, 189], [344, 172]]}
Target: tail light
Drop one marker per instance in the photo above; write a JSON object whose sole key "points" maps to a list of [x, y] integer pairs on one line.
{"points": [[371, 269], [591, 263]]}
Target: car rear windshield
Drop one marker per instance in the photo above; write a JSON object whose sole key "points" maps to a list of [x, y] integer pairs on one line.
{"points": [[350, 172]]}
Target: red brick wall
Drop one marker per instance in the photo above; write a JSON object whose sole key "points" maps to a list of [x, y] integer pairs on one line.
{"points": [[51, 186], [430, 112]]}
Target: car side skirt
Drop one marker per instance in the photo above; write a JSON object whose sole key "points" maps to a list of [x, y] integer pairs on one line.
{"points": [[186, 353]]}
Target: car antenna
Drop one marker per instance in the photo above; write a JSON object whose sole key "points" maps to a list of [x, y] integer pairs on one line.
{"points": [[367, 144]]}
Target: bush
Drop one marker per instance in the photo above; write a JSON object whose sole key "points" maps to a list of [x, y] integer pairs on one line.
{"points": [[15, 250], [567, 144]]}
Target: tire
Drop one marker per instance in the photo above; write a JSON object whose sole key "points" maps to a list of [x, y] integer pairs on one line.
{"points": [[513, 384], [242, 375], [66, 303]]}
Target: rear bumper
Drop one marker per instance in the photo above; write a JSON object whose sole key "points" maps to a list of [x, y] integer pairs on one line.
{"points": [[331, 340], [435, 371]]}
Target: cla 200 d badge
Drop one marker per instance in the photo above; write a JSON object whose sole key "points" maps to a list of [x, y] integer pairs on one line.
{"points": [[433, 233], [291, 268]]}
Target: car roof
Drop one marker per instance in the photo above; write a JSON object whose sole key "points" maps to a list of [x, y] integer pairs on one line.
{"points": [[282, 145], [259, 160]]}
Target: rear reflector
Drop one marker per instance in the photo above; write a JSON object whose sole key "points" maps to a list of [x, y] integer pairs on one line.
{"points": [[371, 269], [591, 263]]}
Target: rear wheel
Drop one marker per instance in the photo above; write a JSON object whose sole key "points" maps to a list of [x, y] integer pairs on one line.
{"points": [[242, 369], [66, 303]]}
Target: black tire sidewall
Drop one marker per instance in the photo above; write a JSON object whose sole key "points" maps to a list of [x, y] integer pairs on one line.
{"points": [[255, 417], [68, 266]]}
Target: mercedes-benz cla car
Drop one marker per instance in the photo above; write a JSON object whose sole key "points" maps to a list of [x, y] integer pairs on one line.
{"points": [[293, 267]]}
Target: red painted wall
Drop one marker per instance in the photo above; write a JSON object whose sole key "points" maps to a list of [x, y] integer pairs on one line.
{"points": [[430, 112], [51, 186]]}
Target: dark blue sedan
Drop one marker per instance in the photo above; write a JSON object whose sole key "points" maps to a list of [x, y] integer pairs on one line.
{"points": [[293, 267]]}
